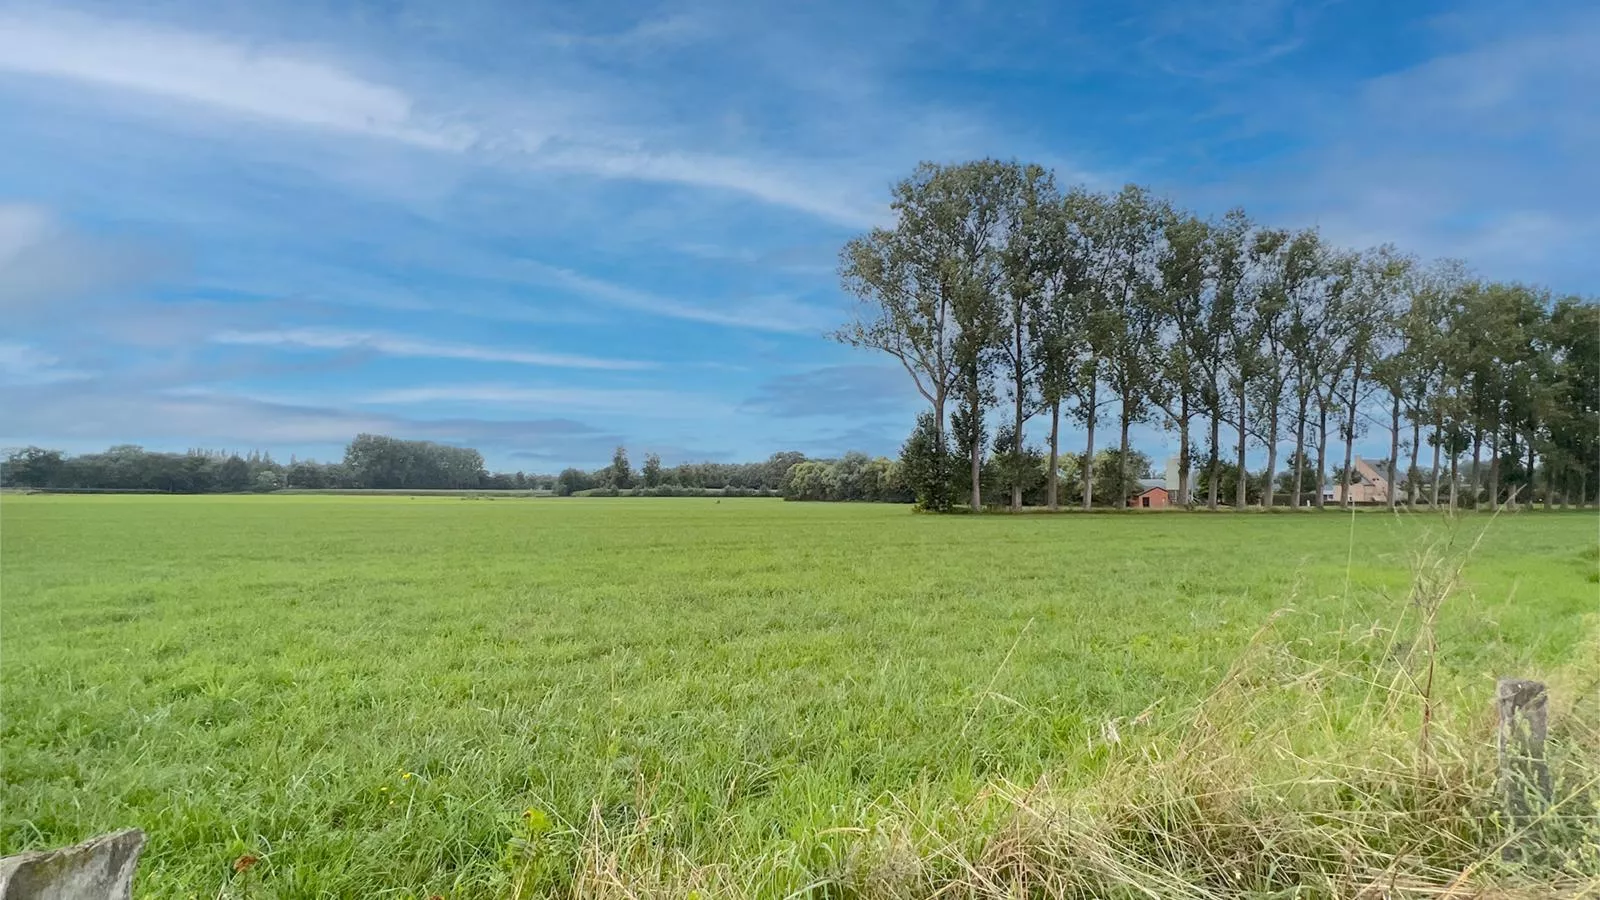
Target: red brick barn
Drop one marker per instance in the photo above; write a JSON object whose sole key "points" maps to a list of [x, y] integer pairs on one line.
{"points": [[1152, 495]]}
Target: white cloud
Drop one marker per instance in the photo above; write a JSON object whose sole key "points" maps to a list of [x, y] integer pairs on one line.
{"points": [[25, 364], [21, 226], [777, 314], [215, 72], [1481, 152], [225, 75], [42, 262], [649, 34], [400, 345], [787, 186], [644, 403]]}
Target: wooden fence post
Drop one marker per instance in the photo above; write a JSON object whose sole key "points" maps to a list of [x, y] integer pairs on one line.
{"points": [[1524, 774], [97, 869]]}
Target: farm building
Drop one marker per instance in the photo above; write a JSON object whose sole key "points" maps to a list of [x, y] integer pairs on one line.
{"points": [[1370, 485], [1153, 494]]}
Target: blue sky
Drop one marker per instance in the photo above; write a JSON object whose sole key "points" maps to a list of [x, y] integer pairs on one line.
{"points": [[543, 230]]}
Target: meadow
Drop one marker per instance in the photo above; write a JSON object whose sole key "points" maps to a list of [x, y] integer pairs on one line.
{"points": [[460, 697]]}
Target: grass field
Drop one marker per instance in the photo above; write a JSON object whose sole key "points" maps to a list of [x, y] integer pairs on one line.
{"points": [[384, 696]]}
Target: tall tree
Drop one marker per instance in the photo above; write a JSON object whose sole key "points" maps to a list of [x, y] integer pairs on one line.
{"points": [[1030, 271], [1282, 260], [1057, 269], [1129, 235], [1310, 286], [907, 284], [1229, 362], [979, 206], [1095, 323], [1367, 321], [1183, 260], [1574, 338]]}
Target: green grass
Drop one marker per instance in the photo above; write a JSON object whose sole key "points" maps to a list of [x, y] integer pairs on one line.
{"points": [[372, 693]]}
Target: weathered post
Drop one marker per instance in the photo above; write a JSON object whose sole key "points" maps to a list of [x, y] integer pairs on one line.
{"points": [[1524, 774], [97, 869]]}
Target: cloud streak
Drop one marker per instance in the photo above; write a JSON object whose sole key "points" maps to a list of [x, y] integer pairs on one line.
{"points": [[43, 263], [638, 402], [211, 72], [214, 72], [777, 314], [25, 364], [400, 345]]}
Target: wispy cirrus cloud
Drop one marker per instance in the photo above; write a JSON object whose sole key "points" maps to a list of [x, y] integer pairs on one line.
{"points": [[207, 71], [24, 364], [1480, 152], [108, 414], [778, 314], [229, 76], [636, 402], [401, 345], [44, 263]]}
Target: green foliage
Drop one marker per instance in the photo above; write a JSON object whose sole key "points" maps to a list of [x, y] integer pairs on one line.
{"points": [[1107, 474], [683, 688], [992, 284], [1010, 469], [31, 467], [571, 481], [620, 475], [927, 465], [1228, 482], [854, 477], [379, 461]]}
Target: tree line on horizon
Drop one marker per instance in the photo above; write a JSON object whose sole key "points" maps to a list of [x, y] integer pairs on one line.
{"points": [[1007, 299], [370, 461], [374, 462]]}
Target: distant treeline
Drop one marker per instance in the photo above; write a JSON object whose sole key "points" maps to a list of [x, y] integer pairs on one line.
{"points": [[379, 462], [684, 479], [370, 462], [384, 464]]}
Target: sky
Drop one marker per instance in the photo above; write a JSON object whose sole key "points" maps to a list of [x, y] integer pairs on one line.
{"points": [[543, 230]]}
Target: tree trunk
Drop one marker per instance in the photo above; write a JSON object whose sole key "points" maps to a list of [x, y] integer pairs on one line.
{"points": [[1320, 502], [1549, 488], [1016, 449], [1533, 481], [1088, 452], [1438, 440], [1183, 453], [1272, 460], [1122, 462], [1298, 460], [1241, 490], [1350, 434], [975, 456], [1583, 488], [1494, 468], [1394, 452], [1019, 378], [1455, 480], [1215, 464], [975, 448], [1413, 473], [1477, 463], [1052, 478]]}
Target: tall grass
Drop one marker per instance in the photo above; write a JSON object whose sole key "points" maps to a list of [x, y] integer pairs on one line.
{"points": [[1279, 783]]}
